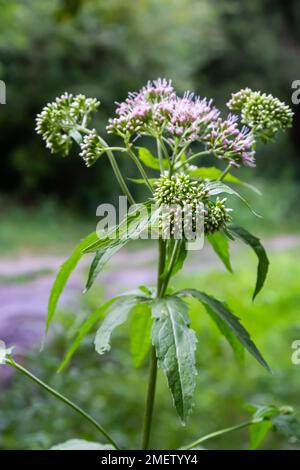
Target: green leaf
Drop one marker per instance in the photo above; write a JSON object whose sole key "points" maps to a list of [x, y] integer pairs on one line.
{"points": [[220, 244], [175, 344], [226, 321], [135, 222], [140, 333], [217, 187], [102, 256], [213, 173], [81, 444], [255, 244], [84, 329], [258, 432], [133, 225], [117, 314], [64, 273], [148, 159], [288, 426]]}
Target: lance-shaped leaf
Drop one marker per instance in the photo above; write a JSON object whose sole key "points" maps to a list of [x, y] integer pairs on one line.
{"points": [[84, 329], [101, 257], [213, 173], [116, 315], [81, 444], [148, 159], [130, 228], [255, 244], [217, 187], [140, 333], [175, 344], [64, 273], [220, 244], [226, 321], [258, 432]]}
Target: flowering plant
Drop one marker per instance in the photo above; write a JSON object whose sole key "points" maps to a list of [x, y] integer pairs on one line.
{"points": [[184, 129]]}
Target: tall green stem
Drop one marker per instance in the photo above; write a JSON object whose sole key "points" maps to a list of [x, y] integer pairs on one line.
{"points": [[117, 172], [64, 400], [113, 162], [192, 157], [150, 400], [220, 432], [160, 156], [171, 265], [140, 168], [222, 175], [153, 364]]}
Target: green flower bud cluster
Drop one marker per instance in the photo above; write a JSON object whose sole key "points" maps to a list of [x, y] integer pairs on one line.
{"points": [[91, 149], [216, 215], [58, 121], [179, 189], [263, 113], [182, 202], [239, 99], [188, 200]]}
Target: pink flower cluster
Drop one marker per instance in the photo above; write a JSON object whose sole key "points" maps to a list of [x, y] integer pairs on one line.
{"points": [[156, 110], [227, 142], [190, 117]]}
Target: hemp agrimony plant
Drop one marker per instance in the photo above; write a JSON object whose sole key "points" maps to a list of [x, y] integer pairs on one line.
{"points": [[183, 129]]}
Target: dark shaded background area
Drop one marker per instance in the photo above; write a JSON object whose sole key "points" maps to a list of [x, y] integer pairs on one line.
{"points": [[104, 49]]}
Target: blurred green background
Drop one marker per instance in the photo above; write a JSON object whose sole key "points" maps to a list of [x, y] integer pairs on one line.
{"points": [[104, 49]]}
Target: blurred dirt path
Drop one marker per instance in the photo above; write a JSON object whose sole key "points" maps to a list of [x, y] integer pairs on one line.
{"points": [[25, 283]]}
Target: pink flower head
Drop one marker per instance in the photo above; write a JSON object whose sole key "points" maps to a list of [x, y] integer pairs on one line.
{"points": [[225, 140], [156, 109], [190, 117]]}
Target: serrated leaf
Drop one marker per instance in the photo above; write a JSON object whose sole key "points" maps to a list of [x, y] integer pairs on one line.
{"points": [[140, 333], [220, 244], [213, 173], [63, 275], [288, 426], [175, 344], [81, 444], [258, 432], [116, 315], [255, 244], [228, 320], [217, 187], [84, 329]]}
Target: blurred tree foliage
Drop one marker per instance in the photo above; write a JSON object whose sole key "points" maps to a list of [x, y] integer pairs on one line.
{"points": [[103, 49]]}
